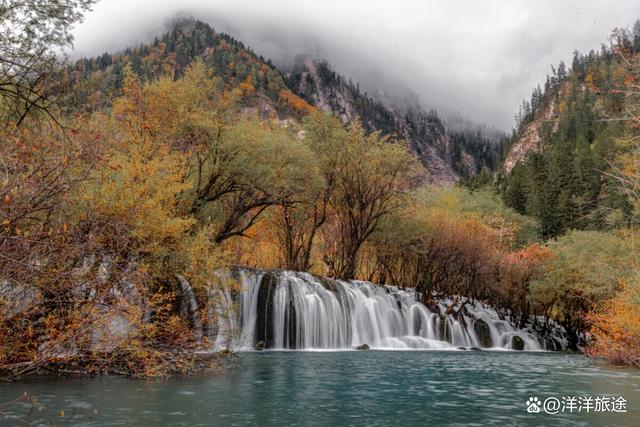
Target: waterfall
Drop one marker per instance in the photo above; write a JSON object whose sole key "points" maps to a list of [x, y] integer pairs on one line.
{"points": [[293, 310]]}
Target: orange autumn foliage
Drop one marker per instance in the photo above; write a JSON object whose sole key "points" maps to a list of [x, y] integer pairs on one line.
{"points": [[299, 105], [258, 249], [616, 327], [531, 255], [247, 89]]}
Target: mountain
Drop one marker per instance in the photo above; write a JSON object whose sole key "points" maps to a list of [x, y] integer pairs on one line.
{"points": [[447, 156], [316, 83], [97, 80], [568, 138]]}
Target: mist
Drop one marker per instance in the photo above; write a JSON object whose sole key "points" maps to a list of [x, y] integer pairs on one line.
{"points": [[475, 59]]}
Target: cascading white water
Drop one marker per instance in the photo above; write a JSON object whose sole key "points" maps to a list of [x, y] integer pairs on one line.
{"points": [[291, 310]]}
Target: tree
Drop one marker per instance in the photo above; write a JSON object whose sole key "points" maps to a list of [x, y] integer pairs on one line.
{"points": [[626, 169], [31, 32], [297, 222], [244, 169], [562, 70], [375, 171], [615, 324], [513, 192], [239, 165], [636, 34], [584, 269], [393, 254], [515, 273]]}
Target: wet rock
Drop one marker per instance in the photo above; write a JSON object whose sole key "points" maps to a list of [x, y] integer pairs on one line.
{"points": [[417, 324], [290, 323], [556, 344], [264, 321], [442, 329], [188, 304], [464, 310], [329, 284], [475, 349], [461, 348], [259, 345], [363, 347], [517, 343], [460, 318], [224, 352], [483, 332], [433, 306]]}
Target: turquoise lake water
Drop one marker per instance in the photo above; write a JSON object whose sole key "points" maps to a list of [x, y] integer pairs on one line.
{"points": [[392, 388]]}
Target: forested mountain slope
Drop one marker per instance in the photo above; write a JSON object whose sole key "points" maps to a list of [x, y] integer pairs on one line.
{"points": [[568, 138], [446, 156]]}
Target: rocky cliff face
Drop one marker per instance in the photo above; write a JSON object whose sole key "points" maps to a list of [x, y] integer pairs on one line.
{"points": [[315, 82], [528, 139], [527, 142]]}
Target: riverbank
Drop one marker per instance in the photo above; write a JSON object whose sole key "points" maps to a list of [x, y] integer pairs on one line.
{"points": [[122, 365]]}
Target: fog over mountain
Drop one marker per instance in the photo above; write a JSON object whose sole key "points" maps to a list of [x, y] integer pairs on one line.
{"points": [[476, 59]]}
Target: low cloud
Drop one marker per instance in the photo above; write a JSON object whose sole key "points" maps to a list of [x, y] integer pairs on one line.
{"points": [[478, 59]]}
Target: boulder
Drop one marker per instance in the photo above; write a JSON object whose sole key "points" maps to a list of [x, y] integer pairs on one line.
{"points": [[483, 332], [259, 345], [363, 347], [517, 343]]}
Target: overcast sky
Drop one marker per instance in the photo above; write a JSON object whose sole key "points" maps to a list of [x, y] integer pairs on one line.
{"points": [[478, 58]]}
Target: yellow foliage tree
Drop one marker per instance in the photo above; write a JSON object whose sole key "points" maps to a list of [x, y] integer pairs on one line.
{"points": [[616, 327]]}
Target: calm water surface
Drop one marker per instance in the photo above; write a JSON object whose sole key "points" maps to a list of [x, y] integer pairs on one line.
{"points": [[338, 388]]}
